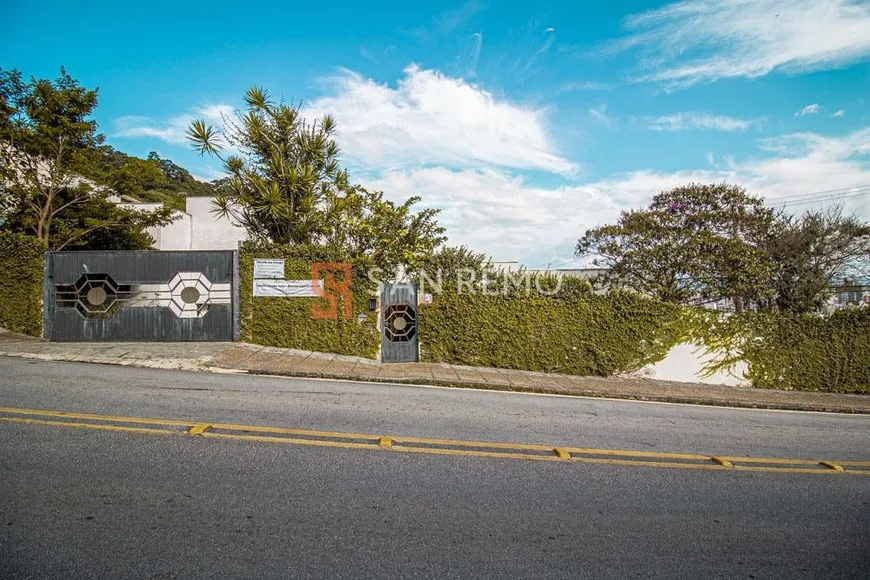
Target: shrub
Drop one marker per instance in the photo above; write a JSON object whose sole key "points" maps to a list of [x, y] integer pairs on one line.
{"points": [[21, 262]]}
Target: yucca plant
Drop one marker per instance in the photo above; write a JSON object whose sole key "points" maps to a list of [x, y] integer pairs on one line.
{"points": [[285, 186], [285, 171]]}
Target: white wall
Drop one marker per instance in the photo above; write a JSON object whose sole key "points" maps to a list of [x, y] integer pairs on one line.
{"points": [[175, 236], [209, 232], [684, 363], [194, 229]]}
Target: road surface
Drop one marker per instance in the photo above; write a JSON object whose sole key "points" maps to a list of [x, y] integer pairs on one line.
{"points": [[85, 503]]}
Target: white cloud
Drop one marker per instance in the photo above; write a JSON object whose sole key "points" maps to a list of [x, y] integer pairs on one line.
{"points": [[511, 219], [686, 121], [694, 41], [809, 110], [551, 32], [208, 173], [502, 214], [462, 149], [585, 86], [448, 21], [429, 118], [475, 53], [808, 162], [600, 113], [137, 126], [173, 130], [839, 113]]}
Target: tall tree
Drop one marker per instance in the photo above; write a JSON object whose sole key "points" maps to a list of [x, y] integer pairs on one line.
{"points": [[392, 236], [811, 251], [285, 186], [692, 244], [48, 142]]}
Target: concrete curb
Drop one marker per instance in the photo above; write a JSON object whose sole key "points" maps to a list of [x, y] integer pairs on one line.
{"points": [[238, 358], [651, 397]]}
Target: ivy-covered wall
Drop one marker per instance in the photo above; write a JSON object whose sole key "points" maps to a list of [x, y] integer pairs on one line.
{"points": [[288, 322], [799, 352], [21, 264], [572, 332], [581, 333]]}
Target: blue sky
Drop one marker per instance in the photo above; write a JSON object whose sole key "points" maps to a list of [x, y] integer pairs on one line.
{"points": [[524, 122]]}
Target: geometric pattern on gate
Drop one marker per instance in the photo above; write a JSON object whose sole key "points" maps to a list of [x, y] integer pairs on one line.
{"points": [[400, 323], [187, 295]]}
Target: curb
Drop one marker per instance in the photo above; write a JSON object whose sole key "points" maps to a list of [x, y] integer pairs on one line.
{"points": [[208, 364], [651, 398]]}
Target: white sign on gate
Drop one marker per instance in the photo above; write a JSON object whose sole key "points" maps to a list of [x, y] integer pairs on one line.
{"points": [[287, 288], [268, 269]]}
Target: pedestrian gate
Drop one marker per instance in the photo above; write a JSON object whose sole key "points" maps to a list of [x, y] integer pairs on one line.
{"points": [[399, 337], [147, 295]]}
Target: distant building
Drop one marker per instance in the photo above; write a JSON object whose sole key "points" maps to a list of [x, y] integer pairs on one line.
{"points": [[850, 293], [589, 273]]}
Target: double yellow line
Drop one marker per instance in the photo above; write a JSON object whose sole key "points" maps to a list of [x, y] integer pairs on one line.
{"points": [[266, 434]]}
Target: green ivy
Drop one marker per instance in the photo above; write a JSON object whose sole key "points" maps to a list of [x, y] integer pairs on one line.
{"points": [[793, 352], [21, 264], [288, 322], [573, 332]]}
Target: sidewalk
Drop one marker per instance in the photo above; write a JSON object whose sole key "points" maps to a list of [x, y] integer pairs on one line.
{"points": [[247, 358]]}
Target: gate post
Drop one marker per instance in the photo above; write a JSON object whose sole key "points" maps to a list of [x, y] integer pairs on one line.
{"points": [[46, 296], [237, 315]]}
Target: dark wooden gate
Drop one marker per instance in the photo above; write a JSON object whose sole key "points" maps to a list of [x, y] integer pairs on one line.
{"points": [[147, 296]]}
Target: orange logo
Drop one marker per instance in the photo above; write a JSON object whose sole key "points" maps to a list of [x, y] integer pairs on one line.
{"points": [[331, 289]]}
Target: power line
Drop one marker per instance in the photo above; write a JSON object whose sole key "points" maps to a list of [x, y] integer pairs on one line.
{"points": [[554, 263], [820, 199], [787, 201], [827, 191], [854, 193]]}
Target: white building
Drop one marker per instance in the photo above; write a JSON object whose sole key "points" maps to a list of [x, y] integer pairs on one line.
{"points": [[196, 228]]}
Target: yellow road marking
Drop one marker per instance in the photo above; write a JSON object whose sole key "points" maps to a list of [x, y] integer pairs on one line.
{"points": [[118, 418], [775, 460], [832, 465], [314, 442], [443, 446], [117, 428]]}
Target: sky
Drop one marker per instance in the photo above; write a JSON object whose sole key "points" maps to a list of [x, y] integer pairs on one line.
{"points": [[524, 122]]}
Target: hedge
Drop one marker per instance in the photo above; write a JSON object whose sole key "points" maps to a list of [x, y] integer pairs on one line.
{"points": [[581, 333], [288, 322], [573, 332], [21, 264], [828, 353]]}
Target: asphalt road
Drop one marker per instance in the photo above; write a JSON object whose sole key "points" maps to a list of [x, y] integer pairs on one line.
{"points": [[91, 504]]}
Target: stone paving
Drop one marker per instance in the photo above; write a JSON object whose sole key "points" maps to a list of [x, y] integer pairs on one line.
{"points": [[248, 358]]}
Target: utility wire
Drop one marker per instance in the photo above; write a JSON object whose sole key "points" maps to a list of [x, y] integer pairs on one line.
{"points": [[785, 201], [828, 191], [553, 264], [823, 199]]}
